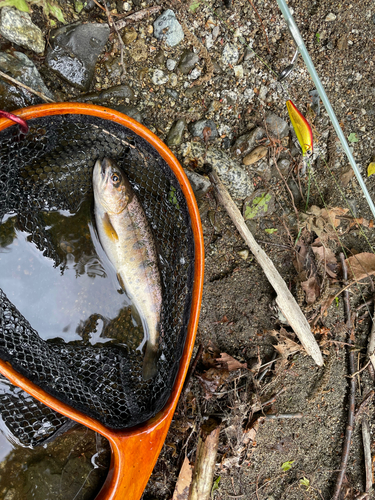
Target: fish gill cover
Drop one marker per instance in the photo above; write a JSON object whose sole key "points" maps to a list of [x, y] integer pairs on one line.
{"points": [[50, 169]]}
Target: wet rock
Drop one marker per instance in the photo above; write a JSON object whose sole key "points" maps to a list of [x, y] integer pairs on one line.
{"points": [[196, 73], [187, 62], [75, 50], [233, 176], [199, 183], [117, 93], [277, 126], [196, 128], [129, 36], [247, 142], [139, 51], [114, 67], [18, 28], [295, 191], [159, 77], [131, 111], [262, 168], [20, 67], [166, 27], [172, 93], [173, 79], [256, 154], [88, 5], [171, 64], [175, 133], [283, 165], [230, 54]]}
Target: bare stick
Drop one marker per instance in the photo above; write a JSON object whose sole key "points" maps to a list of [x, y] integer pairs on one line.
{"points": [[284, 299], [205, 461], [282, 415], [261, 22], [367, 452], [371, 347], [352, 389], [138, 16], [16, 82]]}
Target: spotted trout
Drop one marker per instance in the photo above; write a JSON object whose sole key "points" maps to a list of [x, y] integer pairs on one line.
{"points": [[126, 238]]}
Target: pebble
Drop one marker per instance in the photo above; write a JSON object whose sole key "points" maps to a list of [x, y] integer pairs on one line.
{"points": [[233, 176], [160, 57], [174, 137], [114, 67], [172, 93], [246, 142], [119, 93], [129, 36], [18, 28], [284, 165], [315, 105], [173, 79], [171, 64], [187, 62], [196, 128], [159, 77], [209, 41], [199, 184], [88, 5], [166, 27], [238, 72], [330, 17], [277, 126], [244, 254], [256, 154], [75, 50], [230, 54], [139, 51], [196, 73], [131, 111], [295, 191]]}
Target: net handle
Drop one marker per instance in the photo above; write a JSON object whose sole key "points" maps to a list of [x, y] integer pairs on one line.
{"points": [[135, 450], [22, 123]]}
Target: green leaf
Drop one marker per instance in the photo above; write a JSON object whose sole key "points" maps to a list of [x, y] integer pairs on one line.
{"points": [[371, 169], [56, 12], [353, 137], [18, 4], [337, 302], [215, 486], [287, 465], [270, 231], [305, 482], [193, 6], [259, 205], [317, 36]]}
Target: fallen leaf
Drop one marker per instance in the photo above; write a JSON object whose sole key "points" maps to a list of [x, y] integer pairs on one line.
{"points": [[346, 177], [371, 169], [287, 465], [361, 265], [230, 363], [286, 346], [212, 379], [181, 491], [326, 256], [311, 287]]}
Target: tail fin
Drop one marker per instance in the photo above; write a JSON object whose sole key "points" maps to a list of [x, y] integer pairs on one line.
{"points": [[150, 360]]}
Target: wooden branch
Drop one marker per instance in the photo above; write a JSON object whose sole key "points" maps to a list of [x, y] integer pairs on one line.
{"points": [[367, 453], [137, 16], [205, 461], [284, 299], [20, 84]]}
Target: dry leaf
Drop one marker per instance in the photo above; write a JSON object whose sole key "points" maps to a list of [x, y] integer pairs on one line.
{"points": [[230, 363], [181, 491], [212, 379], [326, 256], [323, 221], [286, 345], [361, 265], [311, 288], [346, 177]]}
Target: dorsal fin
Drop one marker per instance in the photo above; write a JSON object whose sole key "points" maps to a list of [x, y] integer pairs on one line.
{"points": [[109, 229]]}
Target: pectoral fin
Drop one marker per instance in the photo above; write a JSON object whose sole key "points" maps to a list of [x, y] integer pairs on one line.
{"points": [[109, 229]]}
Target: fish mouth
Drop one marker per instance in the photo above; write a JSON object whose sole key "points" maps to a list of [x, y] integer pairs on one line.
{"points": [[105, 164]]}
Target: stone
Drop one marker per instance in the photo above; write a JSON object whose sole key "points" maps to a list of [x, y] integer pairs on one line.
{"points": [[244, 254], [276, 126], [196, 128], [20, 67], [199, 184], [187, 62], [117, 93], [74, 51], [171, 64], [114, 67], [247, 142], [256, 154], [166, 27], [159, 77], [259, 204], [173, 79], [131, 111], [233, 176], [160, 58], [174, 137], [88, 5], [172, 93], [315, 98], [129, 36], [230, 54], [139, 51], [284, 165], [295, 191], [196, 73], [18, 28], [330, 17], [238, 71]]}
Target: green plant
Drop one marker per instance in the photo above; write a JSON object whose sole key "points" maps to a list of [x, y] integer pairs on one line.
{"points": [[305, 482], [317, 37], [287, 465], [49, 7], [353, 137], [215, 486], [270, 230]]}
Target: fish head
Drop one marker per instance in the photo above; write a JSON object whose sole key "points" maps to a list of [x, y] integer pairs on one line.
{"points": [[111, 187]]}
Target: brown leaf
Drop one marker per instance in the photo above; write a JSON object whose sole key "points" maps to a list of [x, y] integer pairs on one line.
{"points": [[230, 363], [311, 288], [212, 379], [346, 177], [286, 345], [361, 265], [326, 256], [181, 491]]}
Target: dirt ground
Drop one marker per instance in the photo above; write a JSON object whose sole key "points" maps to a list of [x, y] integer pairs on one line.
{"points": [[239, 316]]}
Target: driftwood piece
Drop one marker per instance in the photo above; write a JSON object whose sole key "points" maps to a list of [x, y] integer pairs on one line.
{"points": [[284, 299], [205, 461], [366, 437]]}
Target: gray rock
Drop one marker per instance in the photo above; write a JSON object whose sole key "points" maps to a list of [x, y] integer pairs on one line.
{"points": [[295, 191], [117, 93], [199, 183], [231, 173], [284, 165], [196, 128], [18, 28], [175, 133], [171, 64], [166, 27], [75, 50], [187, 62], [315, 106], [88, 5], [159, 77], [131, 111], [20, 67], [277, 126], [114, 67], [247, 142], [230, 54], [172, 93]]}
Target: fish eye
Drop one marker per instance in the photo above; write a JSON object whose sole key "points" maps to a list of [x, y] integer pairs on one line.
{"points": [[115, 178]]}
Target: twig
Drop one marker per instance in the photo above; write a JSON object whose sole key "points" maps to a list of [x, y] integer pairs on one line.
{"points": [[284, 299], [363, 404], [359, 371], [261, 22], [267, 367], [138, 16], [352, 389], [371, 347], [367, 453], [16, 82], [192, 368], [282, 415], [273, 399], [112, 24]]}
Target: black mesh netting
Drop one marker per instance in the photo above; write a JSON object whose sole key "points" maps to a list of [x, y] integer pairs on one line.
{"points": [[51, 169]]}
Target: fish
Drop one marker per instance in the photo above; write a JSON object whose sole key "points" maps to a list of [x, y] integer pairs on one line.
{"points": [[127, 240]]}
